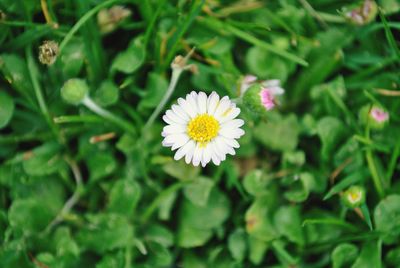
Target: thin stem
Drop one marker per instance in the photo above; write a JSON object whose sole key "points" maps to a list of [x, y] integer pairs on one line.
{"points": [[372, 167], [82, 21], [176, 72], [312, 12], [91, 105], [32, 69], [46, 13], [77, 119], [73, 199], [374, 173]]}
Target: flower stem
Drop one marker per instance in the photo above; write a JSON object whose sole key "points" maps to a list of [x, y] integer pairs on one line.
{"points": [[372, 167], [176, 72], [73, 199], [91, 105]]}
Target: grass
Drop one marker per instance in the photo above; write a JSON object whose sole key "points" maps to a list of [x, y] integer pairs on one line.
{"points": [[86, 182]]}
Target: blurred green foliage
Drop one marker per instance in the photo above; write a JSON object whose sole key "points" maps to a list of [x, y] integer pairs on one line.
{"points": [[79, 189]]}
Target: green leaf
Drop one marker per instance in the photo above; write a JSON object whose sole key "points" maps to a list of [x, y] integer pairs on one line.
{"points": [[281, 134], [370, 256], [180, 170], [159, 256], [72, 59], [210, 216], [190, 237], [256, 57], [107, 94], [131, 59], [156, 87], [6, 109], [124, 197], [393, 257], [64, 243], [343, 255], [22, 209], [255, 182], [287, 221], [304, 184], [105, 232], [15, 70], [44, 160], [237, 244], [258, 222], [111, 261], [159, 234], [166, 207], [257, 250], [387, 218], [198, 191], [101, 165], [330, 130]]}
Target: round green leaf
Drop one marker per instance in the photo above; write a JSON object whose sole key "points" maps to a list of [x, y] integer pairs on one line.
{"points": [[387, 218], [6, 109]]}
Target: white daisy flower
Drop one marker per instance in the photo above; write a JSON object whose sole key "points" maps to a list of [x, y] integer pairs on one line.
{"points": [[202, 129]]}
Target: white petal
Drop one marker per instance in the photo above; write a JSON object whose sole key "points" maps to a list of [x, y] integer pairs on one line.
{"points": [[236, 123], [212, 103], [202, 103], [189, 146], [271, 83], [229, 115], [206, 155], [174, 129], [187, 107], [192, 102], [167, 119], [232, 133], [197, 155], [231, 142], [170, 140], [223, 106], [276, 90], [180, 112], [180, 142], [174, 117], [215, 159], [190, 153], [220, 148]]}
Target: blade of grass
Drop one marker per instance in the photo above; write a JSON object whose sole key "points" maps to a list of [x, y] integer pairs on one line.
{"points": [[182, 28], [150, 27], [83, 20], [366, 214], [392, 163], [77, 119], [92, 42], [216, 24], [33, 73], [330, 221], [374, 173], [389, 35], [350, 180]]}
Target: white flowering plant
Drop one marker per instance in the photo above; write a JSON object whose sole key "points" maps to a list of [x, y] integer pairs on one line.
{"points": [[223, 134]]}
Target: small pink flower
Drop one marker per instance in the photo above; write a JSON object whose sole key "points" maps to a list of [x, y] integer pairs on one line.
{"points": [[379, 115], [247, 81], [267, 98]]}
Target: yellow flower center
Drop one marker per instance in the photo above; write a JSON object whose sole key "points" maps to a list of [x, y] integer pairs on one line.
{"points": [[354, 197], [203, 128]]}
